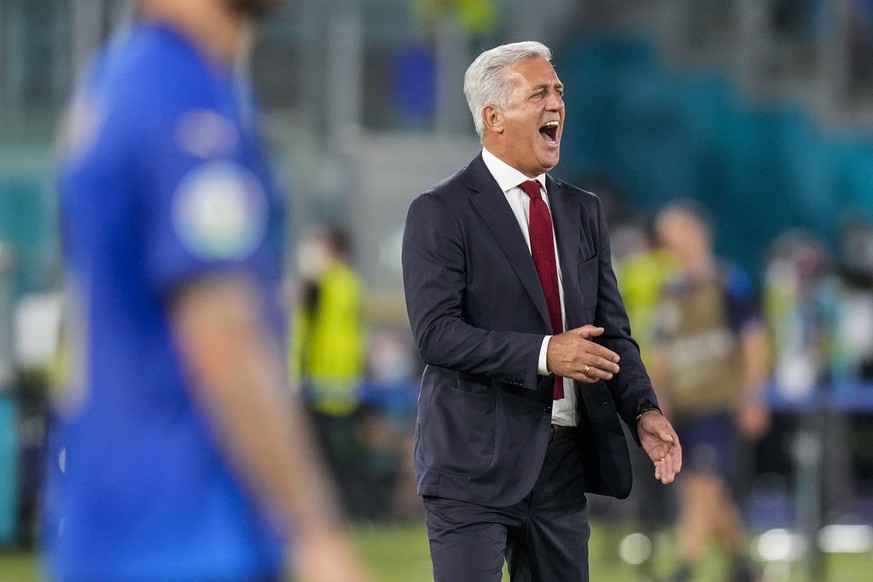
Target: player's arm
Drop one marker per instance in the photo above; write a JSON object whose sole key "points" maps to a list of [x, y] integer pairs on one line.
{"points": [[754, 417], [239, 380], [743, 309]]}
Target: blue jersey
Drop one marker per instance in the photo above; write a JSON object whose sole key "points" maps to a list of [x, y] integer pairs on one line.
{"points": [[162, 181]]}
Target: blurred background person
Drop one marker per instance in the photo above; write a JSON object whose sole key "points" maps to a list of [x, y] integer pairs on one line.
{"points": [[642, 268], [800, 301], [853, 345], [328, 351], [819, 326], [710, 369], [178, 452]]}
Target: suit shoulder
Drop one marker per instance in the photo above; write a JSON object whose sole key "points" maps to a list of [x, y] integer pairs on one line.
{"points": [[450, 186], [584, 196], [446, 194]]}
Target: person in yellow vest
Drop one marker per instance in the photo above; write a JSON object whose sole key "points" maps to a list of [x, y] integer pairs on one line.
{"points": [[642, 268], [328, 349], [710, 367]]}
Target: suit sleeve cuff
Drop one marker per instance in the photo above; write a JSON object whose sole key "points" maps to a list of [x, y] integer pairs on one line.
{"points": [[543, 364]]}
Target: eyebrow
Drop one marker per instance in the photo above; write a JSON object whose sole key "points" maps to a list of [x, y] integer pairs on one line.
{"points": [[558, 85]]}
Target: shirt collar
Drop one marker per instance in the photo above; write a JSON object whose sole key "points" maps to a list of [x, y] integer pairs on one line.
{"points": [[506, 176]]}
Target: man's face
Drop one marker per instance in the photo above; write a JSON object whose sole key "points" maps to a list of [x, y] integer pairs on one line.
{"points": [[252, 8], [682, 235], [533, 120]]}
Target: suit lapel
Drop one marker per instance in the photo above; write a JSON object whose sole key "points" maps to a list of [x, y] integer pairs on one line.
{"points": [[492, 206], [566, 221]]}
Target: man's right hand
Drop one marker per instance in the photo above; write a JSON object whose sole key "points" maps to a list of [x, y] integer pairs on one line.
{"points": [[572, 354]]}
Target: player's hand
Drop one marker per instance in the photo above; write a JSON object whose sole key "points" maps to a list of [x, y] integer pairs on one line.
{"points": [[328, 556], [661, 443], [572, 354]]}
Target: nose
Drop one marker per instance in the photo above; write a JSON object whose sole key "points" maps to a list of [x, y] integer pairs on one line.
{"points": [[555, 101]]}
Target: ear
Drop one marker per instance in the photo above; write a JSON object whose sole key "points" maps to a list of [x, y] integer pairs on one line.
{"points": [[492, 116]]}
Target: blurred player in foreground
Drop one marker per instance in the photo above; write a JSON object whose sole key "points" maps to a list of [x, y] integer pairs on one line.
{"points": [[179, 454], [711, 365]]}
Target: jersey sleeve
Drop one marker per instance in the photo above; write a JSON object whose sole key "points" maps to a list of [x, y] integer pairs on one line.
{"points": [[743, 308], [203, 208]]}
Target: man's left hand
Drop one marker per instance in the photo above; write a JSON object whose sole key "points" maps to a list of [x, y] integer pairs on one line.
{"points": [[661, 443]]}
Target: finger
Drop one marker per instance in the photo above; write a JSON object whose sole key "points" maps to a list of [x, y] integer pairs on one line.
{"points": [[590, 374], [591, 367], [598, 351], [604, 372], [587, 331], [660, 470], [661, 429], [664, 471], [667, 462], [602, 363], [596, 367], [586, 346], [670, 475], [673, 464], [659, 454]]}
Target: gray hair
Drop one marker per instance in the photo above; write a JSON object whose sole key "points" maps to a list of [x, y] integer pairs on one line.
{"points": [[485, 82]]}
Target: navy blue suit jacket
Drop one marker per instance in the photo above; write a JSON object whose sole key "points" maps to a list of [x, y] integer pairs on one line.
{"points": [[479, 316]]}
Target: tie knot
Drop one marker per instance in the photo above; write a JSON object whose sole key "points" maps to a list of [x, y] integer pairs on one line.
{"points": [[532, 189]]}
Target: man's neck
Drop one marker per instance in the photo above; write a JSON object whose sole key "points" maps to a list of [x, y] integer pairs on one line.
{"points": [[218, 31]]}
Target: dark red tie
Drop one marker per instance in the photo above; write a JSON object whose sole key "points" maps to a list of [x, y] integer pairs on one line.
{"points": [[542, 248]]}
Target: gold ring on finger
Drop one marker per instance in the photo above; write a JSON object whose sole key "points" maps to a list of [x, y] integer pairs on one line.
{"points": [[586, 369]]}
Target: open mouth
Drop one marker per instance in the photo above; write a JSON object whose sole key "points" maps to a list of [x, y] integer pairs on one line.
{"points": [[549, 131]]}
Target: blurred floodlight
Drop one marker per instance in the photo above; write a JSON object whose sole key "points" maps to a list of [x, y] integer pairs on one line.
{"points": [[845, 539], [779, 545], [390, 250], [635, 548], [37, 321]]}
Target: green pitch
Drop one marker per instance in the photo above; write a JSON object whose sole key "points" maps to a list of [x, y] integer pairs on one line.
{"points": [[400, 554]]}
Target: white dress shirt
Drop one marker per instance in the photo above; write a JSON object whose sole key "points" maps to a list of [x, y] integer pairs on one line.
{"points": [[564, 411]]}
